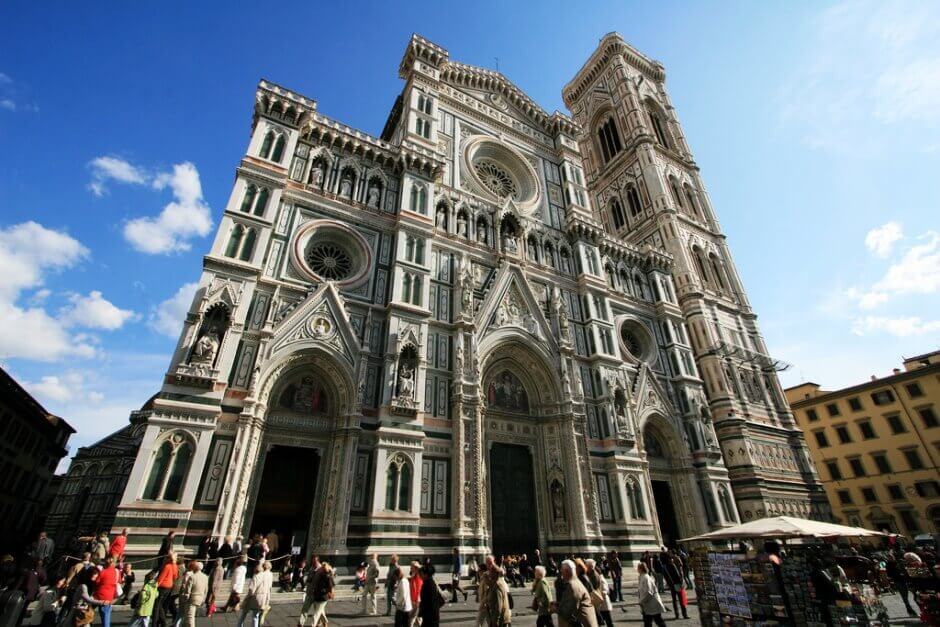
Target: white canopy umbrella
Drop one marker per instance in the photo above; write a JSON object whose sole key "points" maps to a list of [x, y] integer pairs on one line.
{"points": [[785, 527]]}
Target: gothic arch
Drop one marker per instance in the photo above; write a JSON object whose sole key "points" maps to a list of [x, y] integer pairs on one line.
{"points": [[514, 350], [655, 426], [304, 355]]}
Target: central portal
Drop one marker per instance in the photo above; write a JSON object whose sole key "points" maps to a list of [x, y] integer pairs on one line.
{"points": [[665, 512], [512, 500], [285, 495]]}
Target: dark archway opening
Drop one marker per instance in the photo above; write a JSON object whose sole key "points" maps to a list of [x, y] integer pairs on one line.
{"points": [[286, 494], [666, 512], [512, 500]]}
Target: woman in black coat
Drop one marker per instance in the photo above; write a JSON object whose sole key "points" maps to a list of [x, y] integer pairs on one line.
{"points": [[432, 599]]}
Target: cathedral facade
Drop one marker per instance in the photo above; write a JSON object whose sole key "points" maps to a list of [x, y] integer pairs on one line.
{"points": [[491, 327]]}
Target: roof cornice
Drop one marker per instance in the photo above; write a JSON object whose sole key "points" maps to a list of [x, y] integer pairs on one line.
{"points": [[610, 46]]}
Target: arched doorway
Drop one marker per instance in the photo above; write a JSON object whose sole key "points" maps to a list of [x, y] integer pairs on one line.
{"points": [[662, 465], [297, 436]]}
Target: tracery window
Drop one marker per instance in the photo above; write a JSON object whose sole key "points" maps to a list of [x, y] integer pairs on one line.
{"points": [[411, 288], [251, 192], [717, 269], [329, 261], [617, 211], [609, 139], [398, 485], [659, 125], [169, 468], [496, 179], [266, 145], [278, 152], [414, 249], [674, 186], [690, 198], [633, 199], [419, 199], [241, 243]]}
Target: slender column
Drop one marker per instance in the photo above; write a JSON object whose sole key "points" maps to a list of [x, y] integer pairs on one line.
{"points": [[241, 471], [335, 521]]}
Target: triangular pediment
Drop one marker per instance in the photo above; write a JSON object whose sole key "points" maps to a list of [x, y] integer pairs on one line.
{"points": [[511, 303], [648, 395], [318, 320]]}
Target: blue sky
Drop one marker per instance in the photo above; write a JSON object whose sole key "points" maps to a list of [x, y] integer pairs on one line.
{"points": [[815, 125]]}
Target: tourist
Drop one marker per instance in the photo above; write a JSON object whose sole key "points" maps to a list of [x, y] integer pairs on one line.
{"points": [[498, 608], [215, 582], [897, 573], [47, 604], [616, 575], [542, 598], [455, 578], [102, 546], [81, 602], [574, 607], [287, 573], [659, 568], [369, 605], [127, 579], [672, 571], [106, 589], [473, 572], [319, 591], [227, 554], [255, 554], [600, 596], [651, 606], [273, 544], [483, 589], [299, 577], [401, 597], [193, 593], [415, 583], [44, 549], [71, 579], [118, 546], [166, 547], [686, 571], [432, 599], [258, 596], [238, 546], [391, 580], [239, 576], [145, 602], [173, 605]]}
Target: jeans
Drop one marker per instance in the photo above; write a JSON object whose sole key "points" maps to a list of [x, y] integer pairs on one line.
{"points": [[617, 593], [140, 621], [255, 617], [389, 593], [319, 611], [105, 611]]}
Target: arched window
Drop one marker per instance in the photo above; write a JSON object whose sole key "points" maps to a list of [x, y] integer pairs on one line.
{"points": [[398, 485], [617, 212], [419, 199], [235, 241], [690, 198], [278, 152], [406, 288], [609, 139], [169, 469], [416, 289], [248, 247], [424, 104], [633, 198], [674, 185], [251, 193], [659, 125], [700, 266], [266, 145], [717, 269], [262, 202]]}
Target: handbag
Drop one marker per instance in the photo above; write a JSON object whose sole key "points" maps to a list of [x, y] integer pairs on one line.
{"points": [[597, 598], [84, 615], [683, 597]]}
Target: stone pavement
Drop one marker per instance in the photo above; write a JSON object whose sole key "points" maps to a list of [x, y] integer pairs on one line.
{"points": [[346, 612]]}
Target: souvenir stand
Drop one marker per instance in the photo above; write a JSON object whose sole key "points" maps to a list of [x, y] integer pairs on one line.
{"points": [[925, 586], [738, 587]]}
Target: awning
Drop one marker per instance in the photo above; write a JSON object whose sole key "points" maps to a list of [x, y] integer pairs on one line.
{"points": [[785, 527]]}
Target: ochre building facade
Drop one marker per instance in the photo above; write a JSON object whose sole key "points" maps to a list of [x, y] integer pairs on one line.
{"points": [[877, 446], [490, 327]]}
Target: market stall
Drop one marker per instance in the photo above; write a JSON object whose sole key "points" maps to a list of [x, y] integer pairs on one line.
{"points": [[802, 585]]}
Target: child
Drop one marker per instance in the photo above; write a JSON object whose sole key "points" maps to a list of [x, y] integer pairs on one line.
{"points": [[360, 581], [145, 602], [47, 604]]}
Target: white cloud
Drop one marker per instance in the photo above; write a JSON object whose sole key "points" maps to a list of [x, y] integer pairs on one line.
{"points": [[104, 169], [95, 312], [881, 240], [34, 334], [167, 317], [29, 250], [181, 220], [69, 387], [917, 272], [866, 300], [901, 327], [8, 104]]}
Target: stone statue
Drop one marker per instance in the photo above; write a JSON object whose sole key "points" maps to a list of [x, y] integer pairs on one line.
{"points": [[406, 382], [481, 234], [321, 327], [708, 433], [206, 348], [345, 187], [458, 357], [509, 242], [461, 225], [440, 219], [316, 175], [558, 500], [373, 198]]}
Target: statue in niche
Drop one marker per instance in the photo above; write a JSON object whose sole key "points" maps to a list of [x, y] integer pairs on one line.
{"points": [[620, 409], [708, 433], [321, 327], [206, 348], [406, 381], [345, 186], [461, 225], [533, 253], [481, 233], [560, 310], [557, 491], [458, 357], [509, 242], [373, 197], [440, 218], [316, 174]]}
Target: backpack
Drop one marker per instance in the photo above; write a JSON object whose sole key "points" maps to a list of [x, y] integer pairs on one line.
{"points": [[135, 601]]}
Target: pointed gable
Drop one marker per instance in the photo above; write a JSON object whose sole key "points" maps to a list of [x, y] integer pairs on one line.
{"points": [[511, 303], [320, 319], [648, 395]]}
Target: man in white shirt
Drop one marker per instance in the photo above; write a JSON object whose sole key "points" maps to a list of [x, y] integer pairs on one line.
{"points": [[402, 602]]}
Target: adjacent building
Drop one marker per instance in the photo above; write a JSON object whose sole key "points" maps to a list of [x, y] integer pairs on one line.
{"points": [[32, 442], [877, 446], [490, 327]]}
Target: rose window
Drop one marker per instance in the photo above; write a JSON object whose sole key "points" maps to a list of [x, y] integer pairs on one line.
{"points": [[329, 261], [496, 179], [632, 342], [636, 341]]}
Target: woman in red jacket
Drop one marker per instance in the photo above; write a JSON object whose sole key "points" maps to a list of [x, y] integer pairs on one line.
{"points": [[117, 547], [106, 590]]}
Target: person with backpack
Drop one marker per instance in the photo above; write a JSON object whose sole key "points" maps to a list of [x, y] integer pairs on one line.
{"points": [[144, 601], [499, 601], [431, 599]]}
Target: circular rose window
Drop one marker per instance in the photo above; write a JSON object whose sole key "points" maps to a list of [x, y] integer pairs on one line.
{"points": [[500, 172], [329, 251], [636, 341]]}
